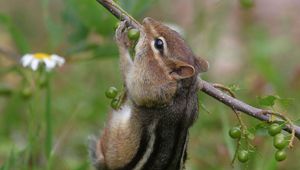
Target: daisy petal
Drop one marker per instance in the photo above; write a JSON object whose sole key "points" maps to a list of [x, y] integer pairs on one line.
{"points": [[35, 64], [50, 64], [50, 61], [59, 60], [26, 60]]}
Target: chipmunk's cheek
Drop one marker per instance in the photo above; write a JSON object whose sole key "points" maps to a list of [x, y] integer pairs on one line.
{"points": [[149, 94]]}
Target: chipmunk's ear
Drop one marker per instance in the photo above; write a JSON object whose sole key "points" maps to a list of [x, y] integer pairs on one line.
{"points": [[180, 69], [202, 64]]}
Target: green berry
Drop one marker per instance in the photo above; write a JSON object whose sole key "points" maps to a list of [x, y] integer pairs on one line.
{"points": [[133, 34], [274, 129], [111, 93], [279, 141], [247, 3], [114, 103], [26, 92], [243, 156], [280, 155], [235, 132]]}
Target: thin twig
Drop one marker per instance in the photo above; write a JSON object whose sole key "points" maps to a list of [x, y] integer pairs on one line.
{"points": [[223, 88], [240, 120], [119, 13], [238, 105]]}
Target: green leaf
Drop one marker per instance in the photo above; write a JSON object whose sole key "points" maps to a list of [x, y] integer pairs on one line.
{"points": [[262, 125], [234, 87], [286, 102], [270, 101], [260, 129], [204, 108], [267, 100]]}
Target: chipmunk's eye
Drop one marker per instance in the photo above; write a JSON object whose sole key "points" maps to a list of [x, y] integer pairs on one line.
{"points": [[159, 44]]}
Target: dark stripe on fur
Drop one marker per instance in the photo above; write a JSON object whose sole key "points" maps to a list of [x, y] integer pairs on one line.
{"points": [[174, 162], [141, 151], [175, 155], [156, 149], [168, 147]]}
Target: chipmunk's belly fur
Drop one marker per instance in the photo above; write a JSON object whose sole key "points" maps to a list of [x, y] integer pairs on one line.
{"points": [[121, 138]]}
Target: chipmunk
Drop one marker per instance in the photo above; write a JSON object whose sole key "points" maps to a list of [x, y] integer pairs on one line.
{"points": [[150, 130]]}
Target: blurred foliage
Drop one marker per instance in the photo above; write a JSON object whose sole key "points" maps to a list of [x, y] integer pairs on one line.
{"points": [[16, 35], [253, 54]]}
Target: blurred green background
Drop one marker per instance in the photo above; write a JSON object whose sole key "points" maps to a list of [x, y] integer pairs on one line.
{"points": [[253, 45]]}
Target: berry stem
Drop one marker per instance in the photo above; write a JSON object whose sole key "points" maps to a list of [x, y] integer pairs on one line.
{"points": [[243, 126], [291, 124]]}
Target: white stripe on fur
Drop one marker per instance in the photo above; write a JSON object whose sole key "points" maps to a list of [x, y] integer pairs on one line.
{"points": [[149, 150]]}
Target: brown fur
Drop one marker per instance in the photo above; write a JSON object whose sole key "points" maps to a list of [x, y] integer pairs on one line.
{"points": [[120, 143], [161, 93]]}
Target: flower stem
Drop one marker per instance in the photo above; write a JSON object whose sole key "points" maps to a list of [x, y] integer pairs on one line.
{"points": [[48, 118]]}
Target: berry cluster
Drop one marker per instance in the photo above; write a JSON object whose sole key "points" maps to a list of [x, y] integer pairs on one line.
{"points": [[279, 141], [112, 93], [242, 154]]}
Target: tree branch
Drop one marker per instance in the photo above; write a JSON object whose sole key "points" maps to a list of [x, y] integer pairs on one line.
{"points": [[238, 105], [204, 86], [119, 13]]}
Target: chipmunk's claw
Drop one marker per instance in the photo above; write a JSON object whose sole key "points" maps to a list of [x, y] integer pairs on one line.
{"points": [[121, 35]]}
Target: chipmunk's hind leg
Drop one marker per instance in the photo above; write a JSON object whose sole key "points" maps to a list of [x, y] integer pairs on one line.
{"points": [[95, 153]]}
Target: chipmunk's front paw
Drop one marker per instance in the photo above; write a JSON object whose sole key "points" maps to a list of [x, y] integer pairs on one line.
{"points": [[121, 35]]}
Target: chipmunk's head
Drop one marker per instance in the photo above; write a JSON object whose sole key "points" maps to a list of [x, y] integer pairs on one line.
{"points": [[164, 59], [169, 47]]}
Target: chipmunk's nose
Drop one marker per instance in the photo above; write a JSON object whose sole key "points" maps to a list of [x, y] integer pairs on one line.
{"points": [[148, 21]]}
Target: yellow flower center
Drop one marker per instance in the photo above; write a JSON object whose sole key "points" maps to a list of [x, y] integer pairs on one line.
{"points": [[41, 56]]}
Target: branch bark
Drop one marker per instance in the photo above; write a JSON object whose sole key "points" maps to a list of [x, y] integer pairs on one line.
{"points": [[204, 86], [238, 105]]}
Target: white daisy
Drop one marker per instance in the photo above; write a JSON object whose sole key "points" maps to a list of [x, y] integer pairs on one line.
{"points": [[50, 61]]}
